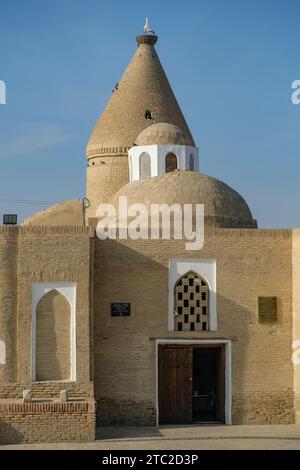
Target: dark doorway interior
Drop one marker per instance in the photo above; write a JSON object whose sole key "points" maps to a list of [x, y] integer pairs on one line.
{"points": [[205, 384], [191, 384]]}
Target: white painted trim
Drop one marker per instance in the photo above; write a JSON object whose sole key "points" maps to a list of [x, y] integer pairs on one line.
{"points": [[228, 376], [206, 268], [2, 353], [158, 155], [68, 290]]}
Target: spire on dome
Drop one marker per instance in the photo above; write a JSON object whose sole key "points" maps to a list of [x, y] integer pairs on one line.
{"points": [[143, 88]]}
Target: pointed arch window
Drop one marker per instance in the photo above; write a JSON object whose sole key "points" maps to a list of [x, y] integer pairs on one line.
{"points": [[145, 166], [191, 303], [171, 162]]}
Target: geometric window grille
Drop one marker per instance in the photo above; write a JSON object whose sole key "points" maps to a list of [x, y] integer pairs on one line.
{"points": [[191, 302], [171, 162]]}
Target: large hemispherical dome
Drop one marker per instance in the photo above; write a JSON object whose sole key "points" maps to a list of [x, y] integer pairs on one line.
{"points": [[163, 133], [223, 207]]}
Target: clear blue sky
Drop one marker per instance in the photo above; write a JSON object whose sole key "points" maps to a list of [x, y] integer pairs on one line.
{"points": [[230, 63]]}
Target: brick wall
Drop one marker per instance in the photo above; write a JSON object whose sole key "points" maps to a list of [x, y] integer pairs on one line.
{"points": [[53, 338], [105, 176], [53, 254], [8, 301], [45, 254], [296, 319], [47, 422], [47, 390], [250, 263]]}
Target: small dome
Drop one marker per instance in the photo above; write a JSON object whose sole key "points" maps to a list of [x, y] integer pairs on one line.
{"points": [[223, 207], [163, 133]]}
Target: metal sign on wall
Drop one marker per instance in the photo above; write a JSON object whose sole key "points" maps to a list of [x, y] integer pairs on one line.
{"points": [[120, 310]]}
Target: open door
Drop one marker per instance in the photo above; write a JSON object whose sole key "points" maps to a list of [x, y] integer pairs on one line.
{"points": [[221, 384], [191, 383]]}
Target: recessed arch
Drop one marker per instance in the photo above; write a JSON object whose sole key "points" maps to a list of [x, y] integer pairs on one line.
{"points": [[53, 337], [171, 162], [68, 290], [145, 165]]}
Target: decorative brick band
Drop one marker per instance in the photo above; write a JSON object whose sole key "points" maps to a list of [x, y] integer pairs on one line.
{"points": [[47, 422], [285, 234], [92, 151], [53, 230], [50, 407]]}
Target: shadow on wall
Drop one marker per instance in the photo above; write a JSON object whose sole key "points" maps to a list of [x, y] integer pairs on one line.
{"points": [[125, 361], [9, 434]]}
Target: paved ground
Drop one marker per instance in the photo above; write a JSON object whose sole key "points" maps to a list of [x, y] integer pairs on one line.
{"points": [[184, 438]]}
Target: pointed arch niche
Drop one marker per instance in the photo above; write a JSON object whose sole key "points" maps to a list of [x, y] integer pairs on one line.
{"points": [[54, 331], [204, 278]]}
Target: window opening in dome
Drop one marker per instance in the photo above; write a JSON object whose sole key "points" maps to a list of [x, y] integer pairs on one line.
{"points": [[171, 162]]}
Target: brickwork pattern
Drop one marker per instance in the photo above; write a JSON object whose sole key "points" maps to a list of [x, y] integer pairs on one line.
{"points": [[44, 254], [53, 338], [47, 422], [8, 300], [296, 320], [47, 390], [144, 86], [250, 263], [105, 176]]}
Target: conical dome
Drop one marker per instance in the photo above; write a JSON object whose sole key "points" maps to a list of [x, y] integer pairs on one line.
{"points": [[143, 87]]}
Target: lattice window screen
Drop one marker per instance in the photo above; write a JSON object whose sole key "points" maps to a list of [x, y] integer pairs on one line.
{"points": [[191, 303]]}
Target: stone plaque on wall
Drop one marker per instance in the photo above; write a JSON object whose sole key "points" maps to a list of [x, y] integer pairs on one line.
{"points": [[120, 310], [267, 309]]}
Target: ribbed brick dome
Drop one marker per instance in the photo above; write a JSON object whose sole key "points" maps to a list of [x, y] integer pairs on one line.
{"points": [[163, 133], [223, 207], [143, 87]]}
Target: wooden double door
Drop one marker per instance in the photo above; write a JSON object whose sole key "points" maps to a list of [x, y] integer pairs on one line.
{"points": [[191, 383]]}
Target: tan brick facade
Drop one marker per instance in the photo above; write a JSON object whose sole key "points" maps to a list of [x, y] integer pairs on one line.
{"points": [[65, 359], [53, 337], [46, 422], [105, 176], [250, 263], [117, 356], [36, 255]]}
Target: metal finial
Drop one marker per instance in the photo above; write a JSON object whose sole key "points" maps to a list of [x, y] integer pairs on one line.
{"points": [[147, 28]]}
